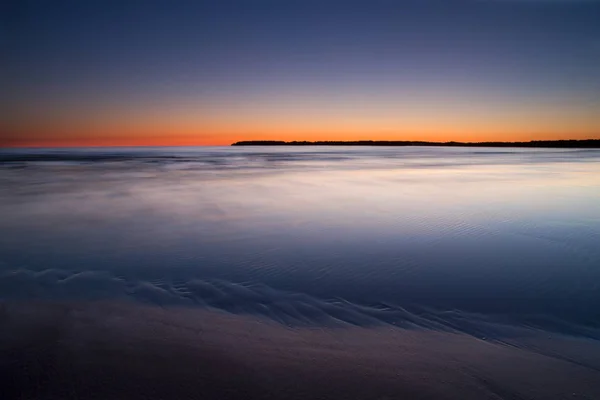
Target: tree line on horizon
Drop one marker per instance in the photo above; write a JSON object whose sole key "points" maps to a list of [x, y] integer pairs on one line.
{"points": [[585, 143]]}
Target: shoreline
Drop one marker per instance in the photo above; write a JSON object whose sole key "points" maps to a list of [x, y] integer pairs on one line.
{"points": [[560, 144], [122, 350]]}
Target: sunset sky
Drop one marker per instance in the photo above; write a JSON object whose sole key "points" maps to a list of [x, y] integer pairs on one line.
{"points": [[103, 73]]}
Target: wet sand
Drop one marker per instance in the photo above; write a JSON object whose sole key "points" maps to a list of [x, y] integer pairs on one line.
{"points": [[99, 350]]}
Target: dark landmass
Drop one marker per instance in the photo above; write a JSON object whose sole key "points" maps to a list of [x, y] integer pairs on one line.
{"points": [[566, 144], [95, 350]]}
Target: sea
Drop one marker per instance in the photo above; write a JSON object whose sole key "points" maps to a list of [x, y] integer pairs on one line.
{"points": [[494, 244]]}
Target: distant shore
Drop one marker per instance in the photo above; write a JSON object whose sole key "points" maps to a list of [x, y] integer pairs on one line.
{"points": [[567, 144]]}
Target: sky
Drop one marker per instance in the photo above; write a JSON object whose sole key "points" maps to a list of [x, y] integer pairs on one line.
{"points": [[112, 73]]}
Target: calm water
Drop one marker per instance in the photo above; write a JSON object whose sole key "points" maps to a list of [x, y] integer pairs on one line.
{"points": [[313, 234]]}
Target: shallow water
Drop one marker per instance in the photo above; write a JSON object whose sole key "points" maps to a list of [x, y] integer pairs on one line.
{"points": [[475, 240]]}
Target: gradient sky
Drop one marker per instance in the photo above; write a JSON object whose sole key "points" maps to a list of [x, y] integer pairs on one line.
{"points": [[213, 72]]}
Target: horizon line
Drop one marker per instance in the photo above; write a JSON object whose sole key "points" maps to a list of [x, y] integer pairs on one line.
{"points": [[271, 142]]}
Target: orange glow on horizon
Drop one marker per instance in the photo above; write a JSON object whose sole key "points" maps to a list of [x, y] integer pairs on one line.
{"points": [[189, 132], [193, 124], [225, 140]]}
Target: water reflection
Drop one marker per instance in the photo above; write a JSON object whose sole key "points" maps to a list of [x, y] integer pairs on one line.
{"points": [[512, 232]]}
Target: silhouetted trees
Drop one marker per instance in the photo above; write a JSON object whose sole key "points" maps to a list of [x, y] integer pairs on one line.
{"points": [[587, 143]]}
